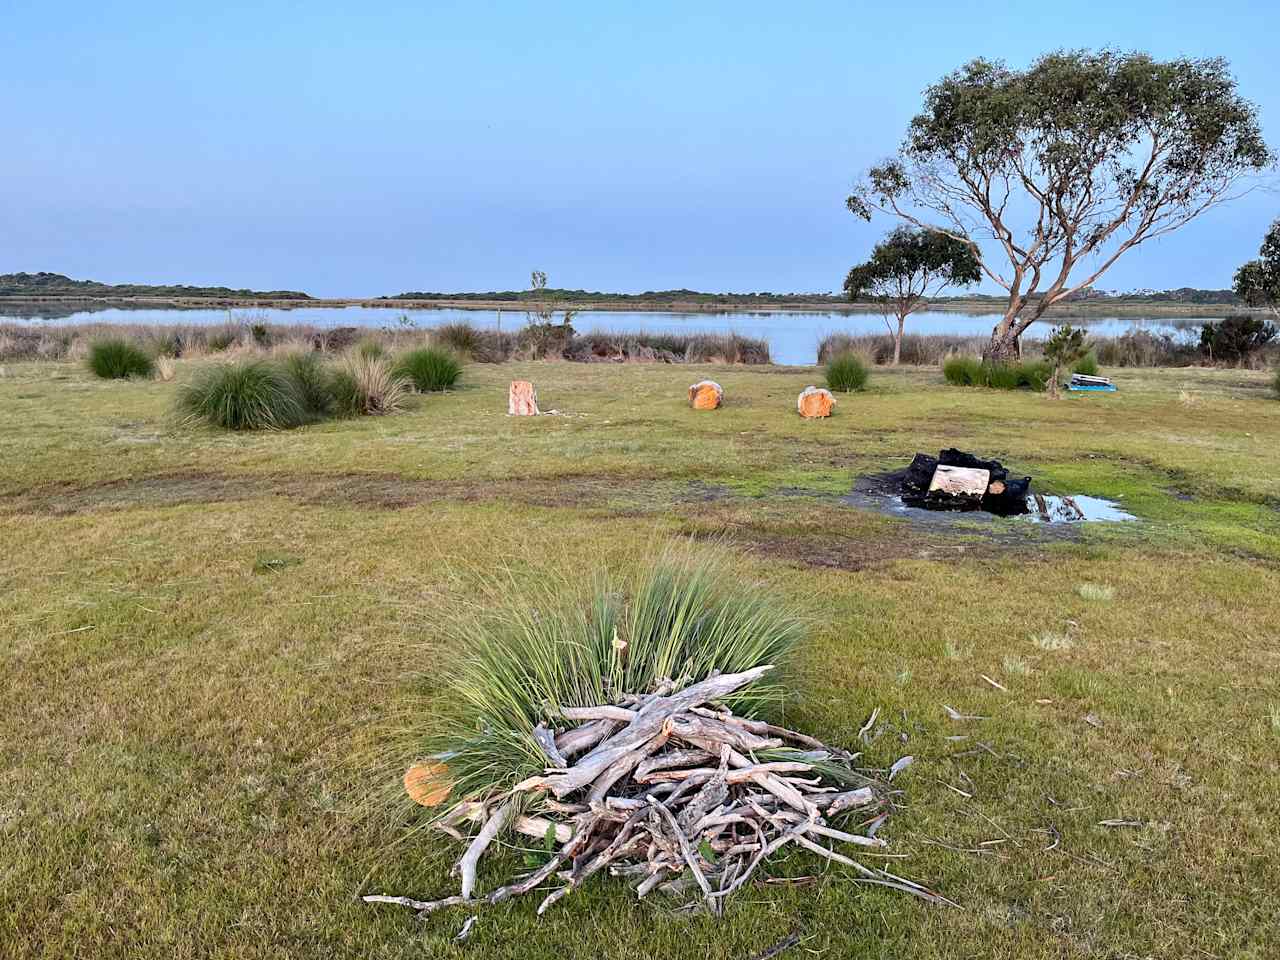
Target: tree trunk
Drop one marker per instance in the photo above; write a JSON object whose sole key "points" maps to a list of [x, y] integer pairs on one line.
{"points": [[897, 340], [1004, 346]]}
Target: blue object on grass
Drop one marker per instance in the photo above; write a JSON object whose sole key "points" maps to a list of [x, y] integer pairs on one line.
{"points": [[1091, 389]]}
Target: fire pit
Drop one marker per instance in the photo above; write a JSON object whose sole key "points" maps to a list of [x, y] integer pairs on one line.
{"points": [[955, 480]]}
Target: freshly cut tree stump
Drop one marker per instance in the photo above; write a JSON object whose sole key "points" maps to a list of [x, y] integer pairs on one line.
{"points": [[522, 400], [815, 402], [706, 395], [427, 783]]}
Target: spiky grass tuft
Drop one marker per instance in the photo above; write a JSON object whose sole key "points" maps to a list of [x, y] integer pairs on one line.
{"points": [[684, 618], [243, 395], [313, 380], [366, 385], [115, 358], [429, 369], [1096, 592], [846, 372]]}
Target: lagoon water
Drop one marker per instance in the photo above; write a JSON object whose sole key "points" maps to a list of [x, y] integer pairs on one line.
{"points": [[793, 336]]}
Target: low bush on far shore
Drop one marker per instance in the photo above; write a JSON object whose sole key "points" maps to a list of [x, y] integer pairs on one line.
{"points": [[115, 358], [846, 372]]}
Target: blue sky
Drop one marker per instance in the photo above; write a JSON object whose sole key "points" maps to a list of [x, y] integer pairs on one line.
{"points": [[360, 149]]}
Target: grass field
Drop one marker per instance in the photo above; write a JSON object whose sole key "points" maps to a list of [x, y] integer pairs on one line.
{"points": [[204, 636]]}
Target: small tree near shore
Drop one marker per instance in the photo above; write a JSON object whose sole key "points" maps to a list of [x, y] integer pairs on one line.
{"points": [[1258, 281], [906, 268], [1061, 168], [1065, 346]]}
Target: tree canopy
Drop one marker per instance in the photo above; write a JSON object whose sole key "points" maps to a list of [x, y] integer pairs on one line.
{"points": [[1061, 168], [910, 264], [1258, 281]]}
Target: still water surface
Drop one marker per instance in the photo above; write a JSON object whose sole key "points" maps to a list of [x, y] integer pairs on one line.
{"points": [[793, 336]]}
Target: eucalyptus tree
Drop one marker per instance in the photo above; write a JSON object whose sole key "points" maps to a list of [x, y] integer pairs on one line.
{"points": [[1050, 174], [1258, 281], [906, 268]]}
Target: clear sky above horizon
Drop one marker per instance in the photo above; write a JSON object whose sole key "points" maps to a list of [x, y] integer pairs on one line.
{"points": [[363, 150]]}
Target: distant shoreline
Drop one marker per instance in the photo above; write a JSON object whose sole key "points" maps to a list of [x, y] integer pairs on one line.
{"points": [[1118, 307]]}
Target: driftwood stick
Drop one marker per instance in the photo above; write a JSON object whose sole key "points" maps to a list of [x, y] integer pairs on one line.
{"points": [[603, 712], [546, 740], [467, 865], [584, 737], [422, 906], [685, 849]]}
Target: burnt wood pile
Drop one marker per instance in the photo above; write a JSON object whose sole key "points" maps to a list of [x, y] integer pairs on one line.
{"points": [[955, 480]]}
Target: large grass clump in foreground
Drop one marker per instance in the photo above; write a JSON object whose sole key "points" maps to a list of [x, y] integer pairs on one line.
{"points": [[429, 369], [246, 395], [683, 619], [846, 372], [965, 371], [115, 358]]}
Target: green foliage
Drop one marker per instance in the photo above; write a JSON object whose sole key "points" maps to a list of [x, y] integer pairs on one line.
{"points": [[681, 620], [429, 369], [114, 358], [1235, 339], [1087, 365], [245, 395], [846, 372], [367, 386], [911, 263], [261, 334], [962, 370], [965, 371], [313, 380], [1073, 139], [1258, 281], [55, 284]]}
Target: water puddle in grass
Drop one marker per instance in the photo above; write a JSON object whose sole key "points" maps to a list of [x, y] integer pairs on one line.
{"points": [[881, 493], [1077, 509]]}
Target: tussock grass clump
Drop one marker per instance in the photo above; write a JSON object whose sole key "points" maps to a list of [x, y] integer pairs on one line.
{"points": [[370, 349], [846, 372], [429, 369], [165, 368], [682, 619], [1275, 384], [244, 395], [965, 371], [1096, 592], [367, 386], [313, 380], [114, 358], [1053, 642]]}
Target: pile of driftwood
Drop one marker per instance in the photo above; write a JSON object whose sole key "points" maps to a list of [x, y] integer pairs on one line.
{"points": [[677, 794]]}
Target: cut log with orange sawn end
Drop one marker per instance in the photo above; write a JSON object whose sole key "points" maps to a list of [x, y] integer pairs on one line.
{"points": [[815, 402], [706, 395], [427, 783]]}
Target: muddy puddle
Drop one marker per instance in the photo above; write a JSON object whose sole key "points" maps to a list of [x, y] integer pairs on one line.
{"points": [[882, 494]]}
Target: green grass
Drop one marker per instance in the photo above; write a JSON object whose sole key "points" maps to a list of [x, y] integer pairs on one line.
{"points": [[965, 371], [429, 369], [117, 359], [846, 372], [188, 716], [243, 395]]}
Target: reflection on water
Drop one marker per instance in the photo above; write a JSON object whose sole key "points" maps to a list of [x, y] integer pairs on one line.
{"points": [[793, 336], [1077, 509]]}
